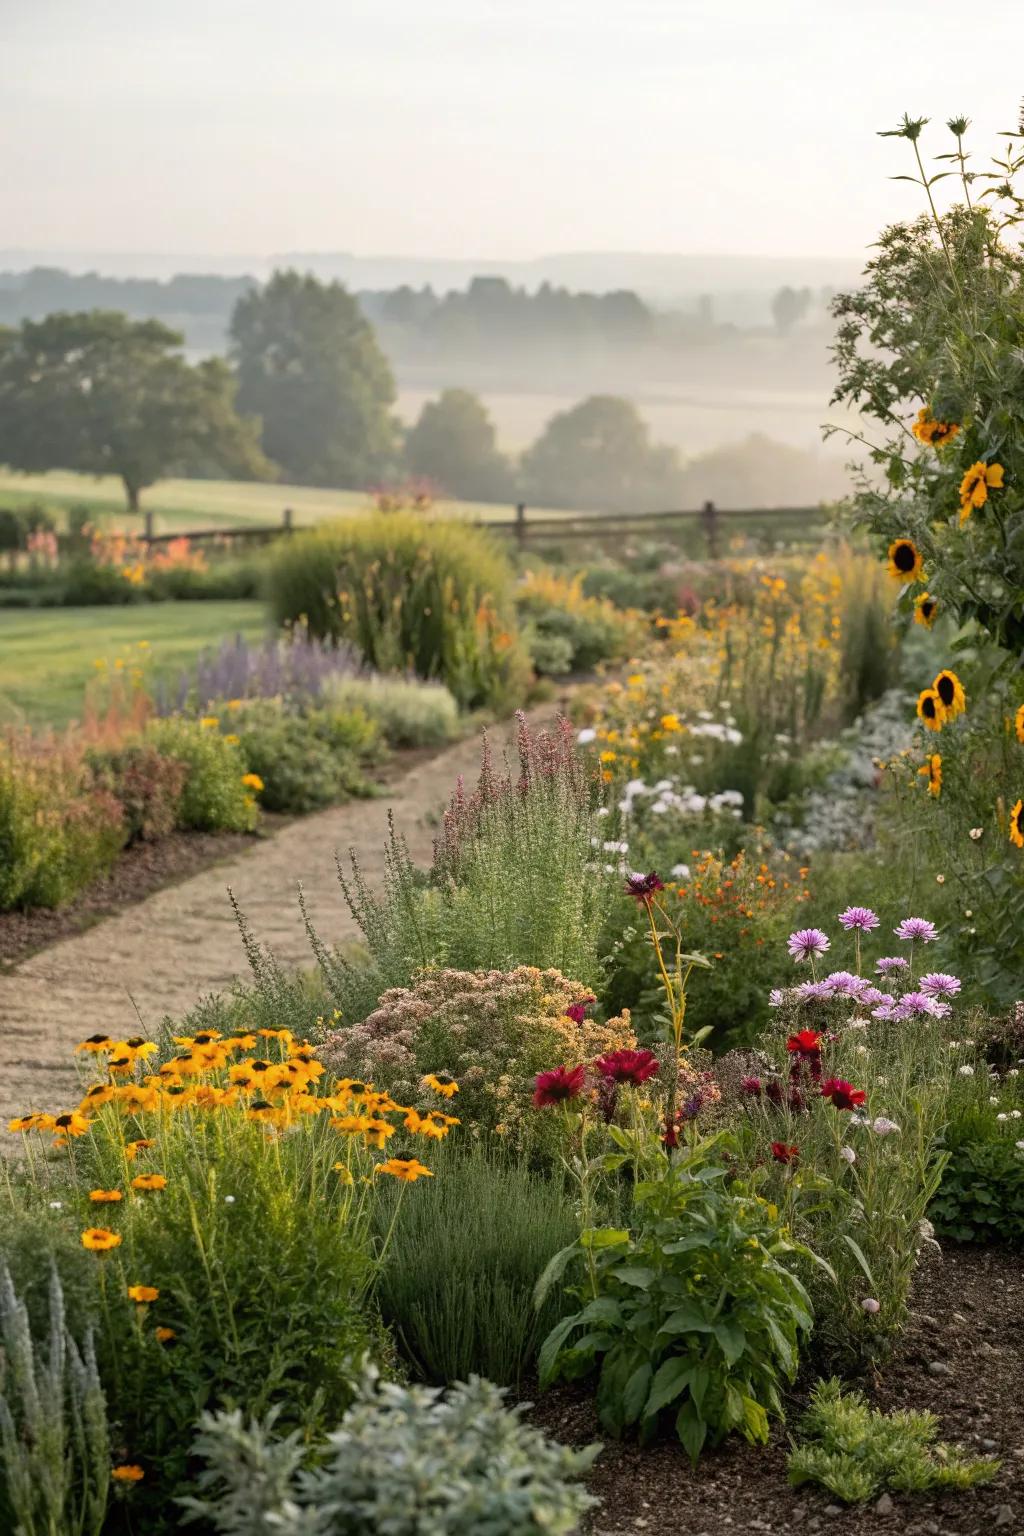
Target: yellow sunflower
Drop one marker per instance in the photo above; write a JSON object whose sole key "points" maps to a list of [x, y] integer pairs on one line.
{"points": [[905, 560], [925, 608], [930, 709], [105, 1196], [932, 769], [931, 432], [951, 693], [442, 1083], [1017, 824], [976, 484]]}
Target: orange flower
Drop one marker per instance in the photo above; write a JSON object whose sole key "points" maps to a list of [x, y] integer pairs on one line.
{"points": [[127, 1474], [408, 1169], [143, 1294], [100, 1239], [975, 486], [105, 1196], [164, 1335], [146, 1182]]}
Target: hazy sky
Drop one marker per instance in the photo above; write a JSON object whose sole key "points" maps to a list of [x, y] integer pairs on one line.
{"points": [[482, 127]]}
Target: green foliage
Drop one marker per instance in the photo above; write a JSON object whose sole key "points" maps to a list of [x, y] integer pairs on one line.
{"points": [[404, 1460], [693, 1310], [147, 785], [306, 759], [855, 1451], [457, 1284], [431, 597], [570, 632], [214, 798], [54, 1444], [598, 455], [103, 394], [57, 834], [453, 447], [310, 368], [407, 712], [981, 1198]]}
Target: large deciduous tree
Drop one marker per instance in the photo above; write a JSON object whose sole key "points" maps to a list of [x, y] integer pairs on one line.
{"points": [[310, 367], [453, 445], [599, 455], [105, 395]]}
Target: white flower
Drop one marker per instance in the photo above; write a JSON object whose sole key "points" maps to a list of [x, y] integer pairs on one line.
{"points": [[229, 1199], [965, 1070], [660, 807], [992, 1099], [56, 1205], [614, 847], [871, 1305], [859, 1024], [603, 811], [1002, 1116], [586, 735], [680, 871], [882, 1082], [862, 1050], [1013, 1072], [848, 1154], [671, 751], [883, 1127], [1019, 1145], [636, 787], [1014, 1114], [975, 834]]}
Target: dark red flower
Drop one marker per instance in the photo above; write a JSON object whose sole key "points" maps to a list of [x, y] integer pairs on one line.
{"points": [[783, 1153], [670, 1135], [797, 1102], [842, 1093], [774, 1091], [558, 1085], [633, 1067], [643, 887], [806, 1043], [751, 1086], [578, 1011]]}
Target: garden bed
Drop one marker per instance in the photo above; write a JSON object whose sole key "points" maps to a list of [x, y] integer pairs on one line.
{"points": [[961, 1357]]}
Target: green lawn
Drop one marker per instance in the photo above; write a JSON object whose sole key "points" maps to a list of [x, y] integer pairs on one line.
{"points": [[49, 655]]}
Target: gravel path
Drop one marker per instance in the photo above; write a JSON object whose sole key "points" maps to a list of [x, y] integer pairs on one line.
{"points": [[163, 954]]}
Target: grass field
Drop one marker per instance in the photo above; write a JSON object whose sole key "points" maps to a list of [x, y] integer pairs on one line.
{"points": [[48, 656]]}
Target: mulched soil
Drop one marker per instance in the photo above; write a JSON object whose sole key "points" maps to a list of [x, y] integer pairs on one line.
{"points": [[962, 1356], [138, 872]]}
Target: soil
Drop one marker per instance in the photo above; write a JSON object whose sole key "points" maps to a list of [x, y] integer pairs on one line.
{"points": [[967, 1317]]}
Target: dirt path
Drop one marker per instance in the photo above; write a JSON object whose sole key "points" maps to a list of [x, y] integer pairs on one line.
{"points": [[182, 942]]}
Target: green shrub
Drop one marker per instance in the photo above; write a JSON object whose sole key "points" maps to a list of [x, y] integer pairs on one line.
{"points": [[147, 785], [54, 1445], [214, 797], [405, 1460], [981, 1197], [307, 759], [855, 1451], [431, 597], [56, 833], [457, 1283], [562, 620], [409, 713]]}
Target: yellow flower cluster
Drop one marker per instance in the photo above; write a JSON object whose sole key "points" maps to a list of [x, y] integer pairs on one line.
{"points": [[934, 434]]}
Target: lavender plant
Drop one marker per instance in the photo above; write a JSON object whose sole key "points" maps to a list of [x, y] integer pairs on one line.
{"points": [[297, 669]]}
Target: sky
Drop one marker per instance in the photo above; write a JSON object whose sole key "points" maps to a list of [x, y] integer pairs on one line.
{"points": [[461, 128]]}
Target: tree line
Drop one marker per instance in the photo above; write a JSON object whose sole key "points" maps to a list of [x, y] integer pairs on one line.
{"points": [[305, 394]]}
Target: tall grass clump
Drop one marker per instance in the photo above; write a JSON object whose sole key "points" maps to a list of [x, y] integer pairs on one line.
{"points": [[434, 598], [408, 712]]}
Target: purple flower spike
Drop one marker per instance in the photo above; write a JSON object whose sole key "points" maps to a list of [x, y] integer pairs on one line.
{"points": [[890, 963], [916, 930], [940, 984], [807, 942], [858, 917]]}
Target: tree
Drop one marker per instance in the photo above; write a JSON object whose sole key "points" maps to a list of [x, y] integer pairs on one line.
{"points": [[310, 367], [789, 306], [599, 455], [453, 445], [104, 395]]}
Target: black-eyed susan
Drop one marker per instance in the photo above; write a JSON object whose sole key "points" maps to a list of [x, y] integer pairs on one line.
{"points": [[378, 1131], [94, 1096], [932, 770], [30, 1123], [1018, 723], [407, 1169], [128, 1473], [105, 1196], [951, 693], [925, 609], [1017, 824], [930, 709], [442, 1083], [141, 1144], [149, 1183], [100, 1239], [72, 1123], [976, 484], [95, 1043], [932, 433], [905, 560], [351, 1125], [142, 1295]]}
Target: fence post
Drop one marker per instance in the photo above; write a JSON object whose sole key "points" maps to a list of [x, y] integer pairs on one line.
{"points": [[520, 523], [286, 520], [148, 526], [709, 518]]}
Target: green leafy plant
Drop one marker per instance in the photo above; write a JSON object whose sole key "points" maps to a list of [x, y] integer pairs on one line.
{"points": [[147, 784], [408, 713], [855, 1451], [405, 1460], [305, 759], [981, 1198], [214, 797]]}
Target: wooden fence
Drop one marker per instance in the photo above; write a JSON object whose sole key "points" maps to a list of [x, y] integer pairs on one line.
{"points": [[711, 520]]}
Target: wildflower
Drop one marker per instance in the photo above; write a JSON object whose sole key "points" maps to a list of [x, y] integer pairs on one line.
{"points": [[95, 1043], [105, 1196], [344, 1173], [806, 942], [905, 560], [1017, 824], [634, 1067], [558, 1085], [916, 929], [127, 1474], [350, 1125], [164, 1335], [1018, 723], [845, 984], [147, 1182], [143, 1294], [643, 887], [951, 693], [806, 1043], [889, 963], [966, 1070], [377, 1132], [848, 1155], [813, 992], [71, 1123], [842, 1094], [925, 608], [442, 1083], [578, 1011], [133, 1148], [870, 1305], [940, 984], [975, 486], [586, 736], [861, 918], [930, 710], [30, 1123], [252, 780], [99, 1239], [783, 1153], [407, 1169], [918, 1003], [751, 1086], [776, 997], [934, 434], [884, 1127], [931, 769], [208, 722]]}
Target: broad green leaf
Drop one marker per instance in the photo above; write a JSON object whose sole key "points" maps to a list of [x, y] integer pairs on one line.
{"points": [[732, 1339], [691, 1429], [671, 1378], [635, 1392], [689, 1318], [553, 1270], [603, 1237], [549, 1350], [634, 1274], [756, 1421]]}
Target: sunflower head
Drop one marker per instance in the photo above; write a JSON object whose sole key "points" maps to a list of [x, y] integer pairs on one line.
{"points": [[951, 693], [931, 768], [930, 709], [1017, 824], [905, 560], [925, 608]]}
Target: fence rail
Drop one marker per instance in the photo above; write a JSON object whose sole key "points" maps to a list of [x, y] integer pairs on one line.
{"points": [[524, 529]]}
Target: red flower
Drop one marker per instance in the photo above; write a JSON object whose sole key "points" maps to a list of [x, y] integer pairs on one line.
{"points": [[751, 1086], [807, 1043], [783, 1153], [842, 1094], [558, 1085], [643, 887], [670, 1137], [578, 1011], [633, 1067]]}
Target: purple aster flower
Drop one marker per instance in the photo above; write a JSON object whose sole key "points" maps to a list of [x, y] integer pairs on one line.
{"points": [[807, 942], [813, 992], [872, 997], [915, 930], [885, 1011], [890, 963], [776, 997], [858, 917], [917, 1002], [940, 984], [845, 983]]}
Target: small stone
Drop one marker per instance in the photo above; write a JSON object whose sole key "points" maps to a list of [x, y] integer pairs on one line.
{"points": [[884, 1506], [989, 1445], [833, 1509], [938, 1368], [986, 1349], [1004, 1515], [958, 1317]]}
